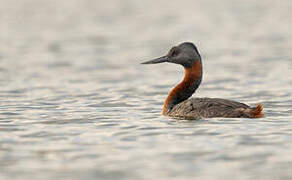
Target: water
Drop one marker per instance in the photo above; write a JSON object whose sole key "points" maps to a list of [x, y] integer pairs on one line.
{"points": [[76, 104]]}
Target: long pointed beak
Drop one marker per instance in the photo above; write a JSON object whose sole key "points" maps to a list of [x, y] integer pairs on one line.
{"points": [[157, 60]]}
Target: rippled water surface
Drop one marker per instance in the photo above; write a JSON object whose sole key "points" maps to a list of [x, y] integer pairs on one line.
{"points": [[76, 104]]}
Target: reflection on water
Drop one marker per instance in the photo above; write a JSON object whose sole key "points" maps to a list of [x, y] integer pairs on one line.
{"points": [[76, 103]]}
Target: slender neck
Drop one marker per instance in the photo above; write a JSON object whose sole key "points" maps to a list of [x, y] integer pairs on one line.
{"points": [[185, 89]]}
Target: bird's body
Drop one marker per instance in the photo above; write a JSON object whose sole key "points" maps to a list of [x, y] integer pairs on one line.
{"points": [[213, 107], [177, 103]]}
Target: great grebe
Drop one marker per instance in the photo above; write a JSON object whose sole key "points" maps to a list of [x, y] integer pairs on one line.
{"points": [[177, 103]]}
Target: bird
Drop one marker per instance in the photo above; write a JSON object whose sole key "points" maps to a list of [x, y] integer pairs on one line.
{"points": [[179, 104]]}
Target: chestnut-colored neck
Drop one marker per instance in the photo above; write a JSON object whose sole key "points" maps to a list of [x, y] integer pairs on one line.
{"points": [[185, 89]]}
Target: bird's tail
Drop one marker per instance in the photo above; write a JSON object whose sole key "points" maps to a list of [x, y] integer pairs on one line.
{"points": [[256, 112]]}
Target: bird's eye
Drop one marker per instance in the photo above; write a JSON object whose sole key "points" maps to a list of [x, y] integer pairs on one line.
{"points": [[174, 52]]}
